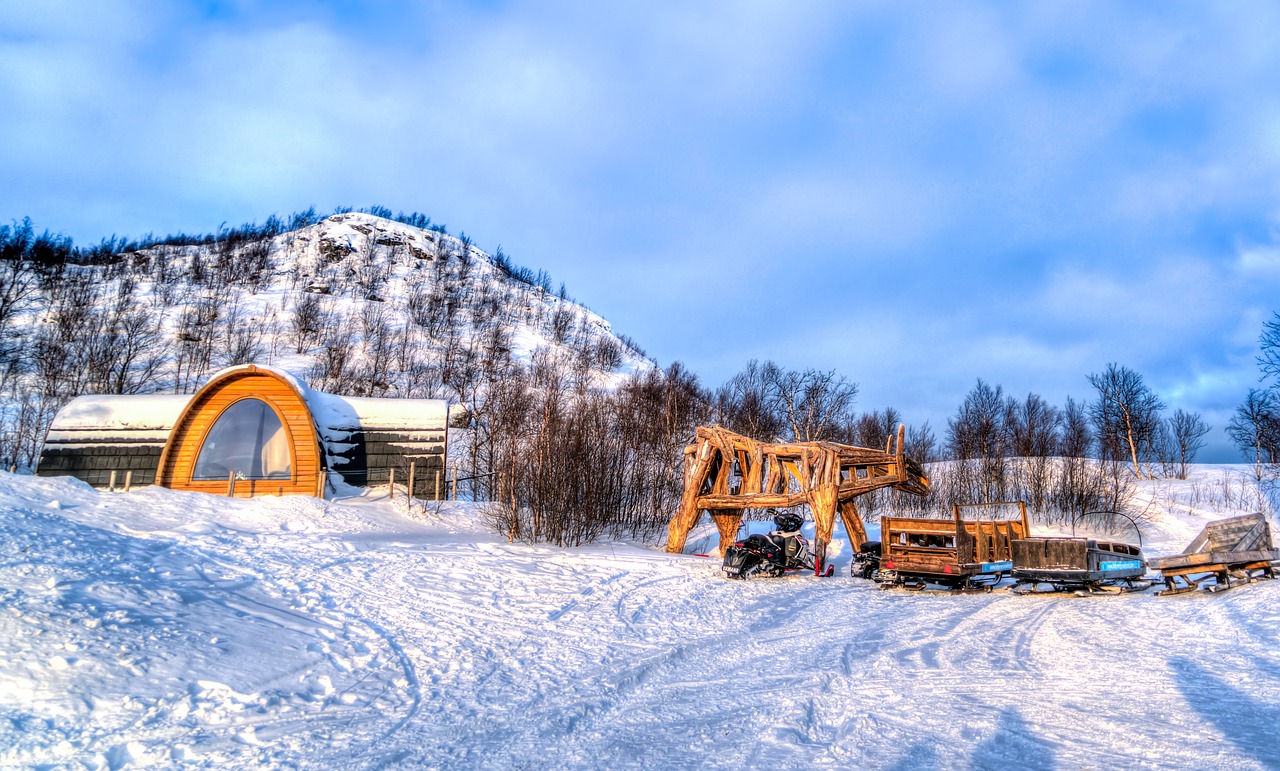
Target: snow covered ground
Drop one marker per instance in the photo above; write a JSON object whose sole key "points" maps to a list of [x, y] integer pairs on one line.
{"points": [[160, 627]]}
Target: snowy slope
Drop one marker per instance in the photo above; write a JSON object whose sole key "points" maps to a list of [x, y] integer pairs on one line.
{"points": [[341, 253], [159, 626], [381, 284]]}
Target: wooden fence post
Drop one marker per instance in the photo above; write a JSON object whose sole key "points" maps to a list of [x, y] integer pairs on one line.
{"points": [[437, 485], [413, 469], [391, 485], [231, 484], [128, 480], [111, 486], [455, 483]]}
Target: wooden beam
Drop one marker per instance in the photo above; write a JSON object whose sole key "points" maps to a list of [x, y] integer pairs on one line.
{"points": [[753, 477], [853, 526], [728, 522], [751, 501], [823, 503]]}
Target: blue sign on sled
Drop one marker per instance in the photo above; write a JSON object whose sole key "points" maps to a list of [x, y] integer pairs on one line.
{"points": [[1119, 565]]}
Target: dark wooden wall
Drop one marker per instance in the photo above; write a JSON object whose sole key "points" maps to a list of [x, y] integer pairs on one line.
{"points": [[87, 457]]}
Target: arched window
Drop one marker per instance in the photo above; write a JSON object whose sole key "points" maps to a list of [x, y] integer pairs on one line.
{"points": [[247, 439]]}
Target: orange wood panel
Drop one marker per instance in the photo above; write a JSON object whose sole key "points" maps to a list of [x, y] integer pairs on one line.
{"points": [[187, 436]]}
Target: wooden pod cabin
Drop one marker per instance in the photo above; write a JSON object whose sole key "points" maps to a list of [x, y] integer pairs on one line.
{"points": [[254, 430]]}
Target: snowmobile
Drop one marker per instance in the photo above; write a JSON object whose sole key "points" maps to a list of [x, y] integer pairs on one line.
{"points": [[866, 560], [770, 556]]}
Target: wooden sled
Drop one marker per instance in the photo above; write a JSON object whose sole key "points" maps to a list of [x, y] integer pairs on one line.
{"points": [[960, 554], [1226, 553], [1079, 566]]}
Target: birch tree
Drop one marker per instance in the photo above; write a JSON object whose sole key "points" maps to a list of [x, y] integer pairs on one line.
{"points": [[1126, 413], [1255, 428]]}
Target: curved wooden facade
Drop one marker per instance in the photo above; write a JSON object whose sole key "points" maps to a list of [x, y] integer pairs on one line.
{"points": [[187, 437]]}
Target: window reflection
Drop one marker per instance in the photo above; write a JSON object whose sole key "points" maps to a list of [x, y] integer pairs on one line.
{"points": [[247, 439]]}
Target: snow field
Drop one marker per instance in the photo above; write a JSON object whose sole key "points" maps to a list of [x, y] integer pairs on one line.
{"points": [[159, 627]]}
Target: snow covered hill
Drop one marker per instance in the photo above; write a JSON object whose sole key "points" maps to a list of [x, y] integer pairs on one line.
{"points": [[160, 627], [354, 304], [438, 283]]}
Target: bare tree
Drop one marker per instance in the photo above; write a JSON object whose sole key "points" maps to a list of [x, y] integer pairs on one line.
{"points": [[873, 429], [196, 339], [922, 445], [977, 438], [1126, 413], [308, 321], [17, 294], [1187, 430], [1033, 426], [139, 351], [240, 338], [1269, 359], [748, 404], [256, 258], [334, 368], [377, 345], [814, 402], [1255, 428], [571, 466]]}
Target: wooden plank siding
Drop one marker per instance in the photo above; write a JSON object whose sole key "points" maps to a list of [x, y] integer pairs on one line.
{"points": [[93, 462], [177, 463]]}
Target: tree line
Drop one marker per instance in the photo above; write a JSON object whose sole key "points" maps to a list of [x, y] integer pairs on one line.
{"points": [[570, 464], [1255, 427]]}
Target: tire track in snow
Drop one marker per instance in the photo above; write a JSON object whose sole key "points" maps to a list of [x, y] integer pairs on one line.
{"points": [[654, 689]]}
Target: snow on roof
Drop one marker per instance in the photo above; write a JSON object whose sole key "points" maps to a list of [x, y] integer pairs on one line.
{"points": [[353, 412], [342, 413], [284, 375], [142, 412]]}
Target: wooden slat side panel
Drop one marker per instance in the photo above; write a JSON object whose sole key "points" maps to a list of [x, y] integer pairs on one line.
{"points": [[1213, 558]]}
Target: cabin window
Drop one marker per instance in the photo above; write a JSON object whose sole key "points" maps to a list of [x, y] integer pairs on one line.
{"points": [[247, 440]]}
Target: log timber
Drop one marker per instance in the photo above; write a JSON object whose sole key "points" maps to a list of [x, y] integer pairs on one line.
{"points": [[726, 473]]}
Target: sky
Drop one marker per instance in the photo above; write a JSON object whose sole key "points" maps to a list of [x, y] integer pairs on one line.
{"points": [[916, 195]]}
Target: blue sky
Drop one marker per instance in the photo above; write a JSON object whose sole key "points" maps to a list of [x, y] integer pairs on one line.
{"points": [[914, 194]]}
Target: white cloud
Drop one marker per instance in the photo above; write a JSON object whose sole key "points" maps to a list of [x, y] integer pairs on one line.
{"points": [[1261, 262]]}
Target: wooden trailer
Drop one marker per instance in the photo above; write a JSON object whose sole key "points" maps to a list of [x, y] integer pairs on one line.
{"points": [[1077, 564], [958, 552], [1237, 549]]}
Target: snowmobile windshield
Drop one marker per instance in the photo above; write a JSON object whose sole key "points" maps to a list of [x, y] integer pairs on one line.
{"points": [[247, 440]]}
